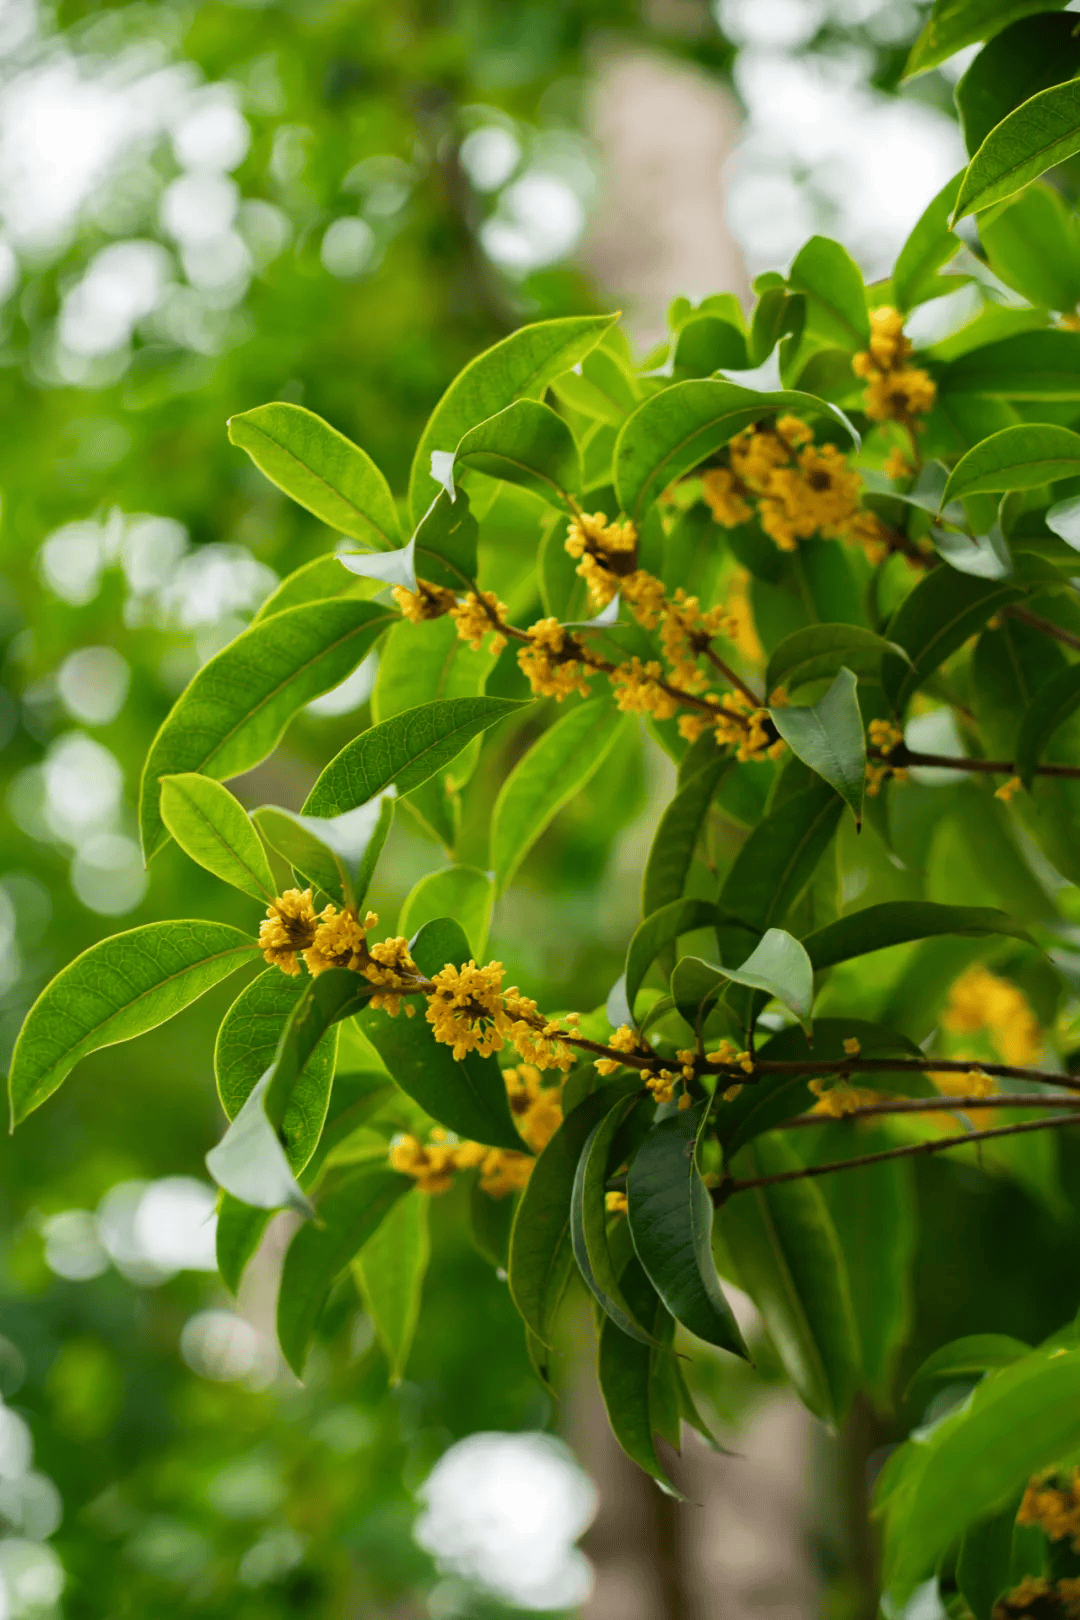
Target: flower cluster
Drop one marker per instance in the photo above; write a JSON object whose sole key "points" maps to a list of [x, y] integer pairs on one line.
{"points": [[336, 939], [837, 1099], [469, 1010], [479, 612], [1060, 1598], [550, 661], [980, 1001], [289, 929], [895, 391], [426, 602], [537, 1111], [608, 554], [886, 738], [1053, 1503]]}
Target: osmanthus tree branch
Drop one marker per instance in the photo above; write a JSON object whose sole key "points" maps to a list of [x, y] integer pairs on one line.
{"points": [[944, 1104], [901, 755], [865, 1065], [939, 1144], [730, 676], [1047, 626]]}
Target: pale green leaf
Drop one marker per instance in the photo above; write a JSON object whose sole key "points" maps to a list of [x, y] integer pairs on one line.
{"points": [[213, 828]]}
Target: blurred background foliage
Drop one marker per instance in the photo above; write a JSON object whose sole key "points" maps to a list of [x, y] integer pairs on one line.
{"points": [[337, 203]]}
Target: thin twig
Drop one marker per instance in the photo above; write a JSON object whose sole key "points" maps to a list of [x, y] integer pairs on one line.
{"points": [[934, 1105], [903, 756], [730, 676], [1047, 626], [861, 1065]]}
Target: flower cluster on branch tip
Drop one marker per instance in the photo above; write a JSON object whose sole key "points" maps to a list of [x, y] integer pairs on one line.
{"points": [[537, 1110], [896, 391]]}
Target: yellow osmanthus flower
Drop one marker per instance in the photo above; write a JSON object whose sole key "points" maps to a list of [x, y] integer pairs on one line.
{"points": [[340, 941], [837, 1100], [638, 690], [476, 615], [886, 738], [289, 929], [1053, 1503], [1008, 790], [980, 1001], [606, 550], [615, 1203], [548, 671], [465, 1009], [391, 968], [724, 497], [537, 1109], [897, 466], [534, 1038], [431, 1167], [623, 1040], [662, 1085], [728, 1053], [741, 726], [685, 631], [426, 602], [895, 391]]}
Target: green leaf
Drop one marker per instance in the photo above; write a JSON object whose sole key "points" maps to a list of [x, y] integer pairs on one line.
{"points": [[819, 651], [829, 738], [461, 892], [1026, 57], [1039, 134], [1051, 706], [468, 1097], [1063, 519], [520, 367], [1033, 244], [349, 1215], [671, 1217], [235, 711], [445, 543], [588, 1224], [119, 988], [404, 750], [1018, 1421], [557, 766], [601, 386], [836, 296], [675, 841], [930, 245], [708, 343], [674, 430], [991, 1559], [985, 556], [421, 662], [541, 1255], [629, 1382], [1020, 457], [966, 1358], [239, 1232], [213, 828], [779, 966], [390, 1271], [956, 23], [247, 1042], [525, 444], [778, 859], [316, 581], [320, 468], [776, 314], [662, 928], [789, 1260], [335, 853], [937, 617], [1036, 366], [250, 1161], [896, 922]]}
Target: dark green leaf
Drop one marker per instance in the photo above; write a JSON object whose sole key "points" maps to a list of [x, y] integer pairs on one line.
{"points": [[320, 468], [1021, 457], [1036, 366], [239, 1233], [390, 1270], [671, 1218], [213, 828], [707, 343], [1033, 244], [335, 853], [985, 1568], [938, 616], [628, 1379], [836, 297], [829, 738], [776, 315], [1026, 57], [965, 1359], [601, 386], [676, 837], [348, 1216], [780, 967], [930, 245], [1050, 708], [788, 1256], [404, 750], [986, 556], [956, 23], [468, 1097], [235, 711], [557, 766], [119, 988], [778, 859], [520, 367], [445, 543], [525, 444], [895, 922], [588, 1225], [659, 929], [820, 651], [1042, 132]]}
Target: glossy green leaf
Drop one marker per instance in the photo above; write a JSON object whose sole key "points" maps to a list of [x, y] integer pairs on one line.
{"points": [[468, 1097], [675, 840], [589, 1220], [390, 1271], [991, 1560], [896, 922], [404, 751], [320, 468], [317, 581], [789, 1260], [671, 1218], [819, 651], [956, 23], [247, 1042], [250, 1161], [675, 430], [119, 988], [1028, 56], [632, 1391], [520, 367], [335, 853], [938, 616], [779, 966], [1020, 1420], [984, 556], [930, 245], [829, 738], [445, 543], [557, 766], [660, 929], [529, 445], [239, 1232], [235, 711], [1063, 519], [1042, 132], [778, 859], [419, 663], [213, 828], [461, 892], [1035, 366], [541, 1254], [601, 386], [1020, 457], [835, 293], [1051, 706], [348, 1216], [1033, 244], [962, 1359], [708, 343]]}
